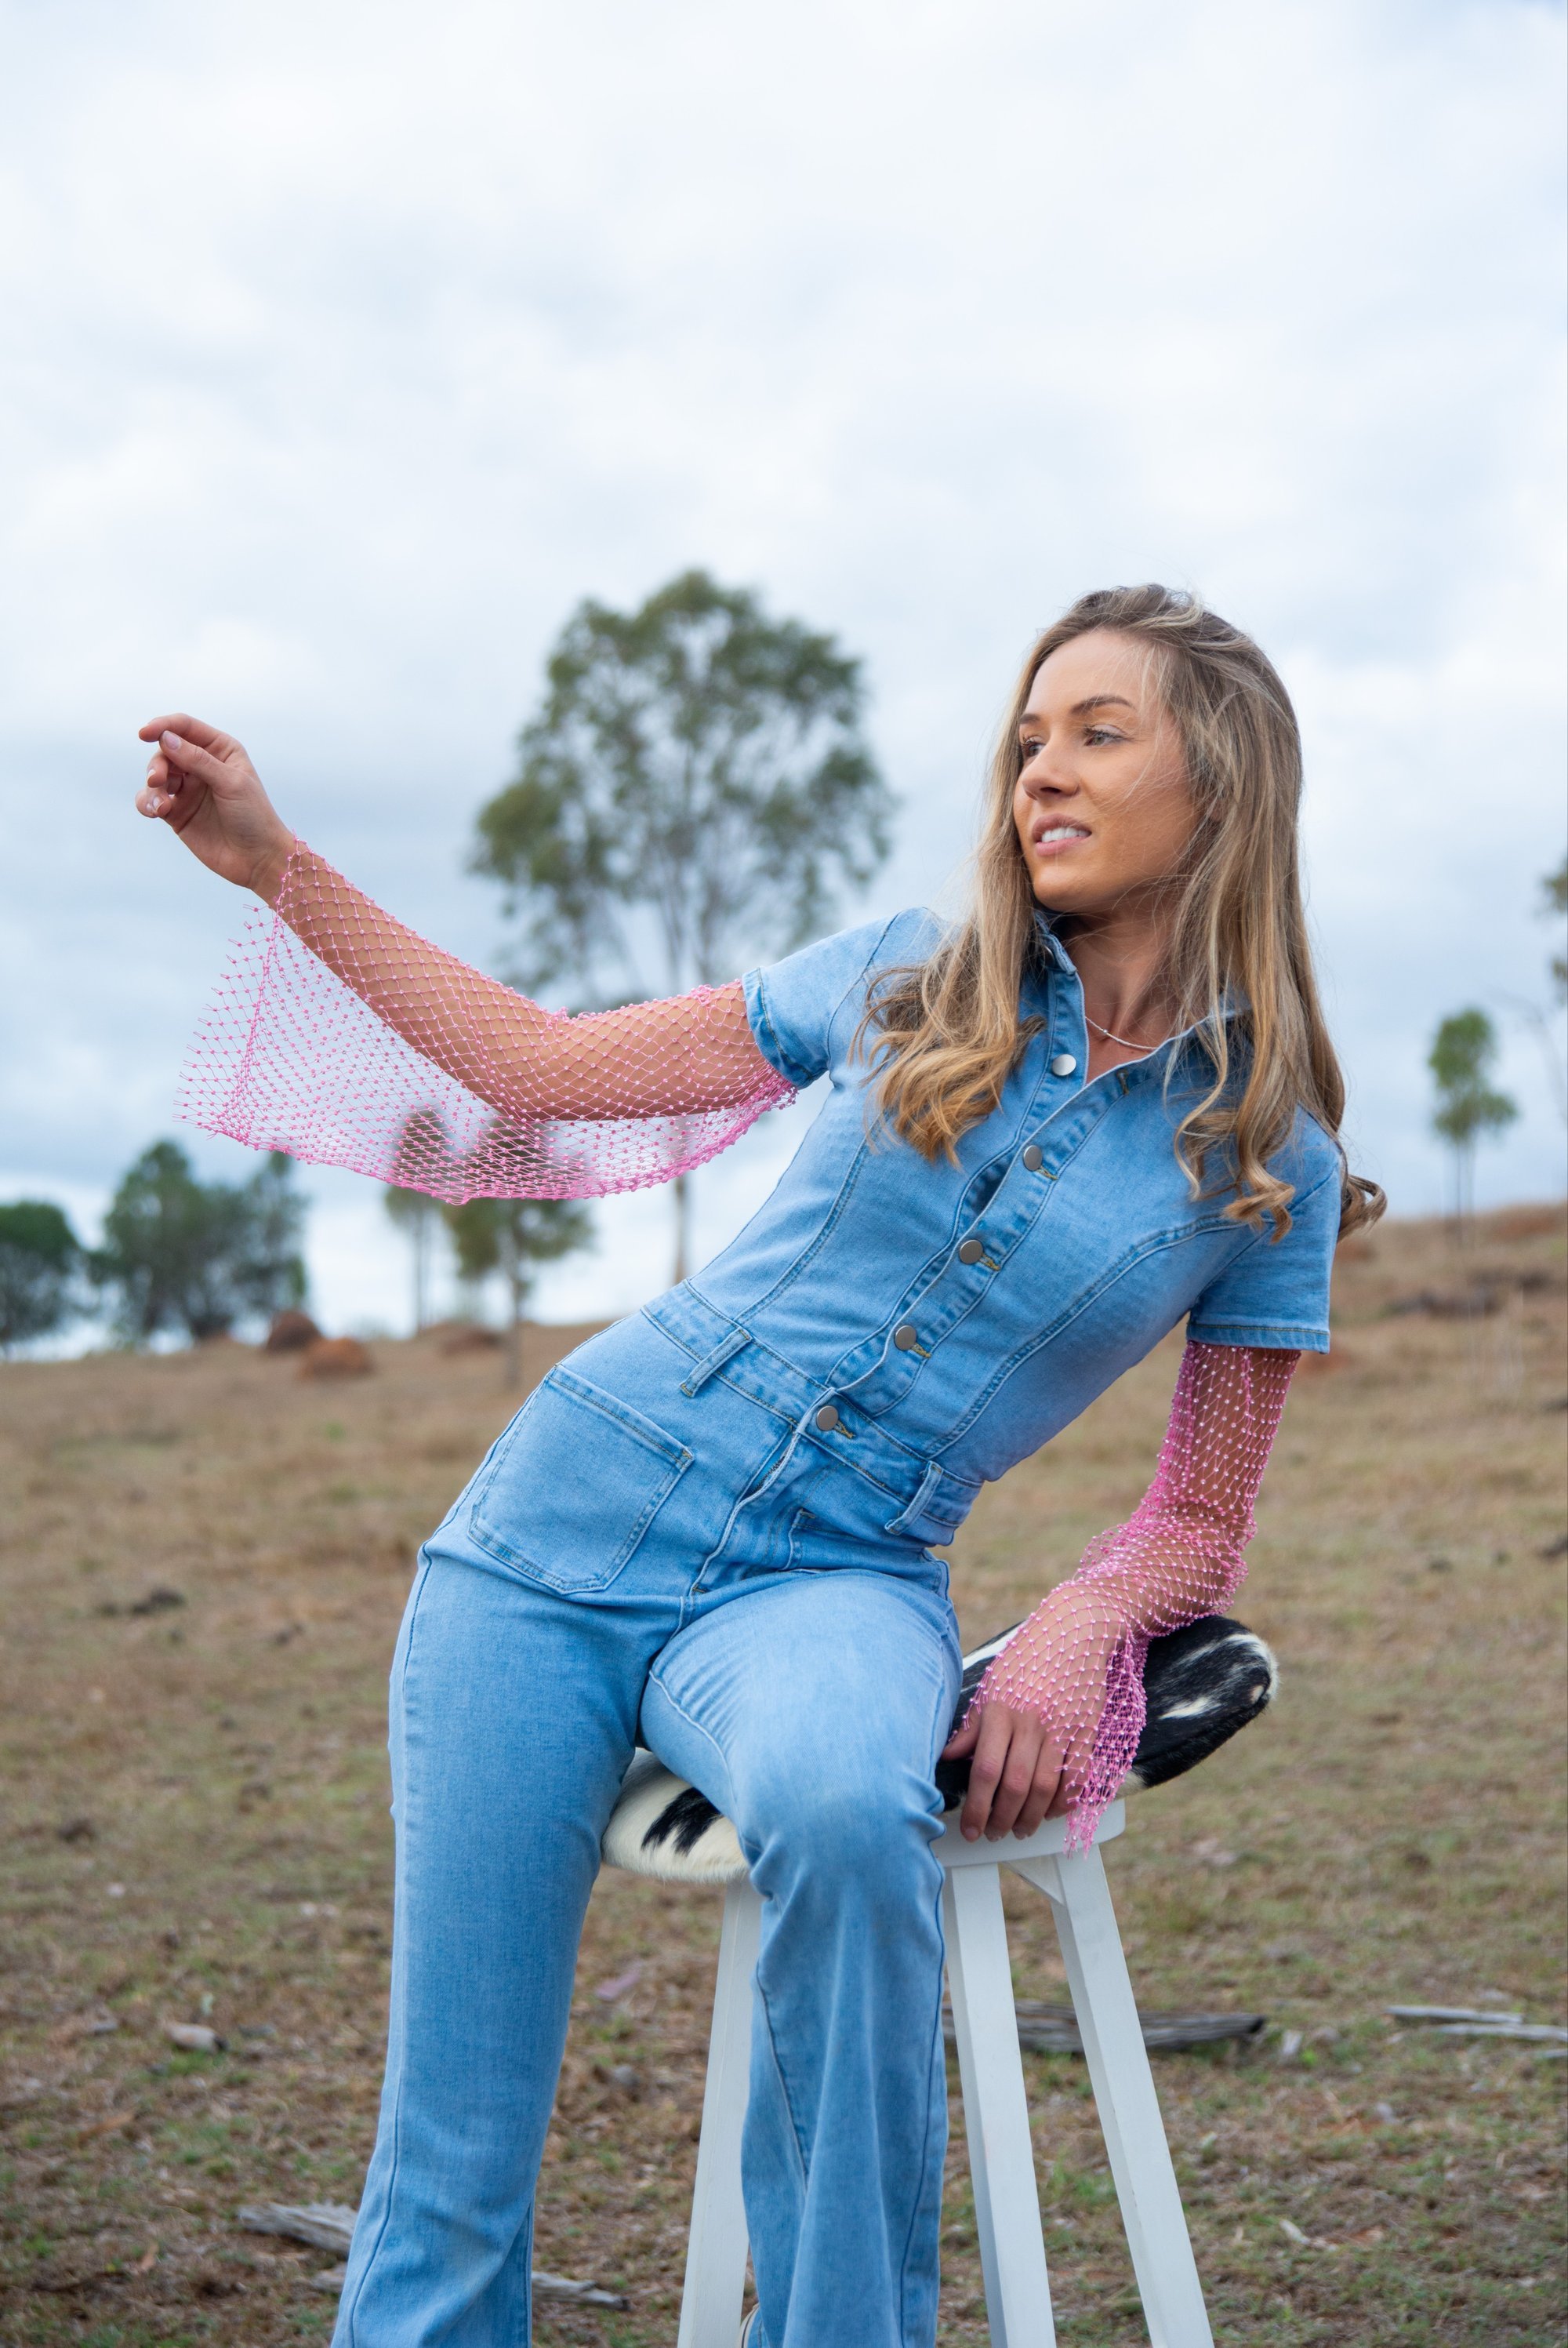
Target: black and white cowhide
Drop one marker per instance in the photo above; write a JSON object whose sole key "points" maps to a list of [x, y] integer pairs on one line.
{"points": [[1202, 1685]]}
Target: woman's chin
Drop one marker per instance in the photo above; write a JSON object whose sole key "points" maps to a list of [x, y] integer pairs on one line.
{"points": [[1055, 893]]}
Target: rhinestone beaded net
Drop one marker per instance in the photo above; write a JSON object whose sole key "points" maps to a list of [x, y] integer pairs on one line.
{"points": [[1078, 1661], [340, 1035]]}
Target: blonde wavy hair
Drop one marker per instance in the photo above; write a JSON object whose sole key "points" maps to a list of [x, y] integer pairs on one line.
{"points": [[946, 1033]]}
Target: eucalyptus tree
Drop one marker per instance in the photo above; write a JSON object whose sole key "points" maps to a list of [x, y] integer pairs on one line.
{"points": [[1461, 1060], [41, 1261], [513, 1237], [696, 790], [184, 1255]]}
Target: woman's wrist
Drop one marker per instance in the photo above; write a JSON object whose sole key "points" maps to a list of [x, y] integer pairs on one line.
{"points": [[1057, 1655], [267, 872]]}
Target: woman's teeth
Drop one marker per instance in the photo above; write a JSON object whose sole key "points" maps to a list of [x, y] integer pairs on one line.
{"points": [[1061, 832]]}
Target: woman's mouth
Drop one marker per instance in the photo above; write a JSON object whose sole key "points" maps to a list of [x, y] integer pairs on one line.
{"points": [[1053, 837]]}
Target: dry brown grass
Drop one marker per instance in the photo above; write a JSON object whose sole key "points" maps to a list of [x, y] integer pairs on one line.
{"points": [[197, 1823]]}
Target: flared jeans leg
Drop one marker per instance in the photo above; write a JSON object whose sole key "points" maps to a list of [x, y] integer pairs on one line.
{"points": [[812, 1711], [513, 1718]]}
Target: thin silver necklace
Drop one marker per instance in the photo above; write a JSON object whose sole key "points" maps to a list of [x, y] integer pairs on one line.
{"points": [[1125, 1041]]}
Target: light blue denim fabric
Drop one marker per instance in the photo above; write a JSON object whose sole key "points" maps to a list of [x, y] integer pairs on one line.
{"points": [[714, 1520], [557, 1617]]}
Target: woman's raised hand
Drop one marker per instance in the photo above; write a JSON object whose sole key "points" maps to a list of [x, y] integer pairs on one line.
{"points": [[202, 785]]}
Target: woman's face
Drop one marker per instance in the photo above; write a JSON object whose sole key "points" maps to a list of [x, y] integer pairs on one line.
{"points": [[1102, 806]]}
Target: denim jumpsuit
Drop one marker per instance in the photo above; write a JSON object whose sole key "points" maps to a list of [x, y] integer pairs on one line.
{"points": [[711, 1530]]}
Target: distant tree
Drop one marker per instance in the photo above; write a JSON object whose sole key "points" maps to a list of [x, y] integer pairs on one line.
{"points": [[1555, 909], [696, 788], [41, 1260], [180, 1255], [1463, 1055], [421, 1147], [418, 1219], [1544, 1020], [513, 1237]]}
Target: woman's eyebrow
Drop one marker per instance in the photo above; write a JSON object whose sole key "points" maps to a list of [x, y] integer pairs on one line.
{"points": [[1103, 701], [1082, 709]]}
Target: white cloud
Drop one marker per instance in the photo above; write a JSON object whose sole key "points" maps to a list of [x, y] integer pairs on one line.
{"points": [[349, 345]]}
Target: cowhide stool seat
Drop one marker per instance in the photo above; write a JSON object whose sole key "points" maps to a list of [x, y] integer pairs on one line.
{"points": [[1203, 1684]]}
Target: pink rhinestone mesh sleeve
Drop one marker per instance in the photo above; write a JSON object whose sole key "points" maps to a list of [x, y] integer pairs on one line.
{"points": [[1078, 1661], [339, 1036]]}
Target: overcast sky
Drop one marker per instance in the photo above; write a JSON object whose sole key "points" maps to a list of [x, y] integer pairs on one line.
{"points": [[346, 346]]}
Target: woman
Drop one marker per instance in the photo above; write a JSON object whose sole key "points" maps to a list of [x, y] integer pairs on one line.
{"points": [[1103, 1102]]}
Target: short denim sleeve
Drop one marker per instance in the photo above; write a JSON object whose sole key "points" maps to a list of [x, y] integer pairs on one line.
{"points": [[804, 1010], [1277, 1294]]}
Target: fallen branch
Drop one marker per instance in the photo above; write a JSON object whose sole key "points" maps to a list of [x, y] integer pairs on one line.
{"points": [[329, 2225], [1053, 2029], [1476, 2021], [1450, 2013]]}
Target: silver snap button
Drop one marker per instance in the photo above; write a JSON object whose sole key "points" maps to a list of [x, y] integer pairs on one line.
{"points": [[827, 1419], [1034, 1158], [1064, 1065], [971, 1251], [906, 1336]]}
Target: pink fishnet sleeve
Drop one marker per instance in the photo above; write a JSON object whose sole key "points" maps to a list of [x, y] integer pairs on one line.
{"points": [[1078, 1661], [340, 1036]]}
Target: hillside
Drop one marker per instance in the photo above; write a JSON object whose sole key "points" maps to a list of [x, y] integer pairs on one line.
{"points": [[195, 1827]]}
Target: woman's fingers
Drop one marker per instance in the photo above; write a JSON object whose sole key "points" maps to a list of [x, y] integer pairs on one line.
{"points": [[202, 784], [1050, 1786], [963, 1740], [178, 777], [203, 765], [1001, 1773], [1019, 1776], [190, 730], [985, 1771], [1075, 1763]]}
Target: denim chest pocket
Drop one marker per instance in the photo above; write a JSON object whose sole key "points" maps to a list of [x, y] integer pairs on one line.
{"points": [[574, 1484]]}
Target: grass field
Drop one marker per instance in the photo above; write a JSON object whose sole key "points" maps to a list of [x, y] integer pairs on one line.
{"points": [[196, 1828]]}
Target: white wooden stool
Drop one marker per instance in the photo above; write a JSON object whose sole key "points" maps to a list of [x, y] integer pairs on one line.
{"points": [[995, 2114]]}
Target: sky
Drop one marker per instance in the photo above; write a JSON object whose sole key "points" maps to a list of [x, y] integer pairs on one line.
{"points": [[347, 347]]}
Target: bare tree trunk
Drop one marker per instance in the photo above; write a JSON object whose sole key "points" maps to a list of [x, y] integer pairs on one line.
{"points": [[516, 1289], [421, 1270], [681, 1186], [1465, 1191]]}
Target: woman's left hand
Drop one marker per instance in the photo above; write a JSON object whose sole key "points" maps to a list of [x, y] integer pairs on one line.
{"points": [[1017, 1778], [1032, 1741]]}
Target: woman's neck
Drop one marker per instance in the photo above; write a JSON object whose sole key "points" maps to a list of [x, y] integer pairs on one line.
{"points": [[1121, 961]]}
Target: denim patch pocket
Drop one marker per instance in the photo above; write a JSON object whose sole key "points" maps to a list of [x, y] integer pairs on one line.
{"points": [[574, 1484]]}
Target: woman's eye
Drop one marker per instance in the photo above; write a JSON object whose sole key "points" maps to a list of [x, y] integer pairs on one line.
{"points": [[1096, 735]]}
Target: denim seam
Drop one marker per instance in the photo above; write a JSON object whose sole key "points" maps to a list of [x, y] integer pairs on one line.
{"points": [[735, 1383], [823, 1232], [937, 2055], [862, 977], [582, 1394], [785, 1060], [1277, 1336], [396, 2132], [527, 2333], [757, 1491], [801, 2163], [696, 1727], [769, 1042], [1159, 1244]]}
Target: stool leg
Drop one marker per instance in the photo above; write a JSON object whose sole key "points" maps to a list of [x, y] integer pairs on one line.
{"points": [[1124, 2092], [996, 2111], [716, 2247]]}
